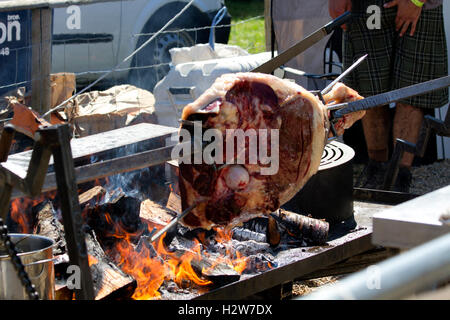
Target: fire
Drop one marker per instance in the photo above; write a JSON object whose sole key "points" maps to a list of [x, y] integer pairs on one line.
{"points": [[92, 260], [152, 265], [20, 211], [232, 257]]}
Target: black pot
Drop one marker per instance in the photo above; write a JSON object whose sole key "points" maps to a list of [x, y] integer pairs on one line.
{"points": [[329, 193]]}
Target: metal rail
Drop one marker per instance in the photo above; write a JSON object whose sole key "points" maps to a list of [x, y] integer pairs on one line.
{"points": [[405, 274], [395, 278]]}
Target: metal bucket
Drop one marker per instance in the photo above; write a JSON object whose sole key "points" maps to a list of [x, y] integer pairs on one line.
{"points": [[36, 253]]}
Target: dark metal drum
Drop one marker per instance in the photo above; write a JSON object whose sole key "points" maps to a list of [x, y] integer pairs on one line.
{"points": [[329, 193]]}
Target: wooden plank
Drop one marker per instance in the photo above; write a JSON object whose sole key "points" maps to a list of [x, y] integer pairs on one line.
{"points": [[14, 5], [414, 222], [108, 168], [46, 60], [103, 142], [36, 59]]}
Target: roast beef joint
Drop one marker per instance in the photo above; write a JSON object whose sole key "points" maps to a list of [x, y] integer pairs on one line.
{"points": [[280, 121]]}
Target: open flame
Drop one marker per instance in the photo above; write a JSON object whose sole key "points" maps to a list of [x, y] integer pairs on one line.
{"points": [[151, 265], [20, 211]]}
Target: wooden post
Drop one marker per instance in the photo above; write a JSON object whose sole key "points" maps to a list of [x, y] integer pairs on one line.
{"points": [[268, 24], [41, 40]]}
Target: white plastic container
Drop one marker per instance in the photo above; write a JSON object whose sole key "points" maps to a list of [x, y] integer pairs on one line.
{"points": [[185, 82]]}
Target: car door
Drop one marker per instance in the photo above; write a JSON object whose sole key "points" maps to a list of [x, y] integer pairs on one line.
{"points": [[85, 39]]}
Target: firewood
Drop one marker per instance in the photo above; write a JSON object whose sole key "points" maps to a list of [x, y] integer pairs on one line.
{"points": [[208, 267], [48, 225], [260, 230], [155, 213], [109, 281], [174, 202], [218, 273], [273, 233], [302, 227], [110, 221], [242, 234], [92, 196]]}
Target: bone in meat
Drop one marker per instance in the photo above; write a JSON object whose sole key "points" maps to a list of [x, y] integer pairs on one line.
{"points": [[239, 192]]}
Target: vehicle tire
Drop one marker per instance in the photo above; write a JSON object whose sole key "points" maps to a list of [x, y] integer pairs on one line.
{"points": [[151, 64]]}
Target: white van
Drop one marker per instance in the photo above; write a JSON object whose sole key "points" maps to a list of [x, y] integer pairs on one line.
{"points": [[91, 39]]}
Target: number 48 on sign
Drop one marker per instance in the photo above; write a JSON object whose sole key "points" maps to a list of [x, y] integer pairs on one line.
{"points": [[4, 51]]}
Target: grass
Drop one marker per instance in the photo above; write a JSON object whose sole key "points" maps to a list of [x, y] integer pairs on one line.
{"points": [[249, 35]]}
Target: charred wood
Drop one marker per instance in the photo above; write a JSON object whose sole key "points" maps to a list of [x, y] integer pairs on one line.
{"points": [[273, 234], [109, 281], [218, 273], [48, 225], [313, 231], [242, 234]]}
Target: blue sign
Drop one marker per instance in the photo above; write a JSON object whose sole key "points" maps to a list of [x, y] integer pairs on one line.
{"points": [[15, 50]]}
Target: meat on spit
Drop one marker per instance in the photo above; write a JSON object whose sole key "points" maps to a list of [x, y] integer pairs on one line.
{"points": [[296, 130]]}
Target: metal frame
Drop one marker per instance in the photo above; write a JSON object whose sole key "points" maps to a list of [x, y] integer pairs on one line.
{"points": [[430, 124], [305, 261], [55, 140], [395, 278]]}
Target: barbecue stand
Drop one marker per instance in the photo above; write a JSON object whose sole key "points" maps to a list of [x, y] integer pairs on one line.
{"points": [[49, 141], [26, 174]]}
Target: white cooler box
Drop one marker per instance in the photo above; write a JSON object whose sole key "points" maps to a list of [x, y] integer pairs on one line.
{"points": [[186, 81]]}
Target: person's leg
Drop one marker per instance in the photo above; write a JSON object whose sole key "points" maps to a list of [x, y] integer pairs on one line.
{"points": [[419, 58], [376, 125], [372, 77], [407, 124]]}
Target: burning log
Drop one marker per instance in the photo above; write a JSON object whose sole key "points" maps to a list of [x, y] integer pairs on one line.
{"points": [[155, 214], [109, 281], [219, 273], [302, 227], [117, 220]]}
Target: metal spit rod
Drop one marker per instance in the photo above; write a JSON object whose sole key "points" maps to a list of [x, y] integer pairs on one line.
{"points": [[172, 223], [343, 74]]}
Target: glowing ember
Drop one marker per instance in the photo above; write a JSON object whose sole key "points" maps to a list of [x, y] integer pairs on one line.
{"points": [[92, 260]]}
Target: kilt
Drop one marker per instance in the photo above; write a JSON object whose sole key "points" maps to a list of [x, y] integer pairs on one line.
{"points": [[393, 61]]}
